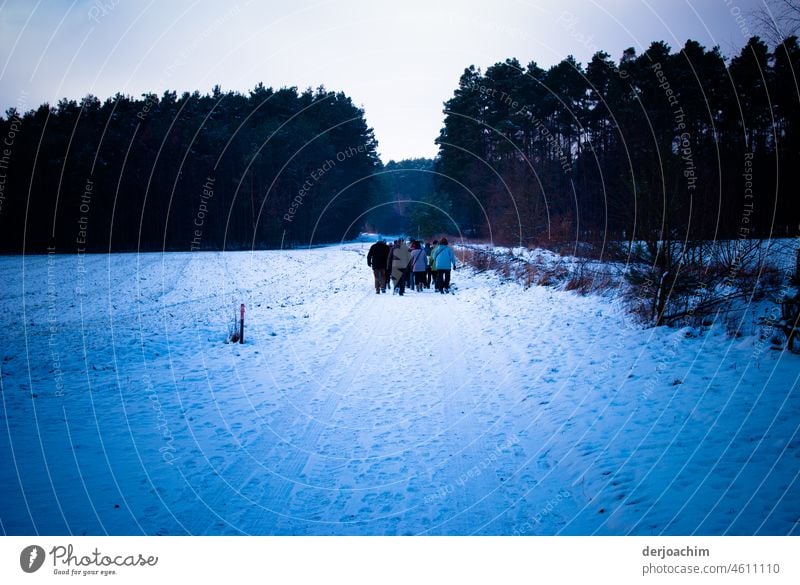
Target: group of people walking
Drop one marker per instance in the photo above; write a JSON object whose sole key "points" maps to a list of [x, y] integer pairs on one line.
{"points": [[415, 266]]}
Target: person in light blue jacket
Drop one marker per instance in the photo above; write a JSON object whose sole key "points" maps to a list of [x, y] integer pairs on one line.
{"points": [[443, 261]]}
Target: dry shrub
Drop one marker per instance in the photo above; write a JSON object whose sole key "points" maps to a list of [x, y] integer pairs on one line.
{"points": [[603, 284], [530, 275], [546, 279], [537, 271], [580, 283], [480, 259]]}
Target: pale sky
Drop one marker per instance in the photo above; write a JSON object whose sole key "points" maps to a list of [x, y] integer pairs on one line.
{"points": [[398, 60]]}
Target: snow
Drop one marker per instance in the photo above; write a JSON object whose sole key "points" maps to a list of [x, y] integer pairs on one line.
{"points": [[497, 410]]}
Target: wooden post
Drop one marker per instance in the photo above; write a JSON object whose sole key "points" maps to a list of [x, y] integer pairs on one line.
{"points": [[241, 324]]}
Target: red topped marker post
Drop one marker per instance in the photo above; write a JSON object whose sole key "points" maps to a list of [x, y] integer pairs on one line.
{"points": [[241, 324]]}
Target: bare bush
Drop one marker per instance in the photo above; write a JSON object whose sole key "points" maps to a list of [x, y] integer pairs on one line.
{"points": [[580, 283], [673, 283]]}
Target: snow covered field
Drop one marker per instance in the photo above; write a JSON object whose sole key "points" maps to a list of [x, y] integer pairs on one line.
{"points": [[496, 410]]}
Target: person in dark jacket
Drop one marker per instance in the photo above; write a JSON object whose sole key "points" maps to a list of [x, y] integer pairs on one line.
{"points": [[409, 271], [428, 271], [432, 262], [377, 258], [410, 281], [444, 259]]}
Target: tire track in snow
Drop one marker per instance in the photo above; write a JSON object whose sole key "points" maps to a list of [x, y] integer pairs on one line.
{"points": [[342, 366], [472, 389], [278, 485]]}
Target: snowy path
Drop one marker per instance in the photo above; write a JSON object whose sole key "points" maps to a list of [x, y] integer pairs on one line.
{"points": [[493, 411]]}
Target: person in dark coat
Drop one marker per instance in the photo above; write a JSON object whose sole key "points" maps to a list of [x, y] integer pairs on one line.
{"points": [[377, 259], [409, 272], [432, 264], [428, 271]]}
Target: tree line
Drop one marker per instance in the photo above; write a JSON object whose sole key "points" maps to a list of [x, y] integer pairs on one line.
{"points": [[658, 147], [222, 170], [663, 147]]}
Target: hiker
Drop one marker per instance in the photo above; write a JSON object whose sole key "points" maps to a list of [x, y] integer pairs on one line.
{"points": [[409, 273], [445, 259], [400, 260], [392, 246], [428, 272], [377, 257], [411, 281], [419, 264], [432, 262]]}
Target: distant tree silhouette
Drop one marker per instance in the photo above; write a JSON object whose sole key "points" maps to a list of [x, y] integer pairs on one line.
{"points": [[224, 170], [412, 204], [652, 148]]}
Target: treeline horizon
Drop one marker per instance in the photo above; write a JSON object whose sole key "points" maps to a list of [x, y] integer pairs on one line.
{"points": [[194, 171], [662, 146]]}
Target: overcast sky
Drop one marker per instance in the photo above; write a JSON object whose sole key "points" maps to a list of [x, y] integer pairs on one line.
{"points": [[399, 60]]}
